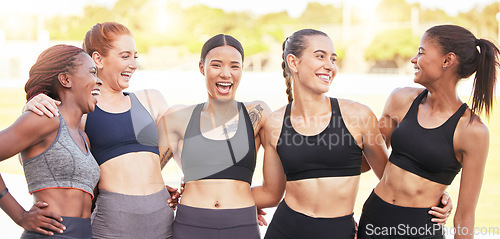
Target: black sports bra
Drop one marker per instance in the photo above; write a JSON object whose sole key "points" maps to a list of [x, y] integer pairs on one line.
{"points": [[331, 153], [428, 153], [233, 158]]}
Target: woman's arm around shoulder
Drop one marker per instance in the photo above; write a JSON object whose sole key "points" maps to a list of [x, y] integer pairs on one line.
{"points": [[471, 141], [171, 129], [154, 102], [274, 180], [361, 120], [396, 106], [258, 111]]}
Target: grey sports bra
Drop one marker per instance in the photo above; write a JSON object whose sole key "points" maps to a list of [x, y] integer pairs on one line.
{"points": [[62, 165]]}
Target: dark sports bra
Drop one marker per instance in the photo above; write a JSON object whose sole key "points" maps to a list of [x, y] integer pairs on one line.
{"points": [[428, 153], [115, 134], [233, 158], [331, 153]]}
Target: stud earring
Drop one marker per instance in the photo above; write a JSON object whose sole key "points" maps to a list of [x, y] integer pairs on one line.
{"points": [[444, 67]]}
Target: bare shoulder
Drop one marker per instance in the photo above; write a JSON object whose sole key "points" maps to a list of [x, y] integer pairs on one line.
{"points": [[179, 112], [275, 119], [403, 96], [472, 130], [258, 111], [353, 109], [151, 95], [257, 105]]}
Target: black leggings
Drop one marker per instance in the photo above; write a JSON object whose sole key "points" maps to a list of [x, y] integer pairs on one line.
{"points": [[76, 228], [384, 220], [193, 223], [287, 223]]}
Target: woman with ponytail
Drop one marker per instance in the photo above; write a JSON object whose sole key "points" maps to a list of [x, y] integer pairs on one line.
{"points": [[59, 168], [434, 135], [314, 147]]}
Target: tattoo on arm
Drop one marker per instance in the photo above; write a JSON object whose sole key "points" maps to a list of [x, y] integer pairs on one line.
{"points": [[165, 157], [255, 114]]}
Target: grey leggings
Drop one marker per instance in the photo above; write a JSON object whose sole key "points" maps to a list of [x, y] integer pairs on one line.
{"points": [[76, 228], [194, 223], [130, 216]]}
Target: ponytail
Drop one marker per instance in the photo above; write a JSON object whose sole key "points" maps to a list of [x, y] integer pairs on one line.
{"points": [[485, 78]]}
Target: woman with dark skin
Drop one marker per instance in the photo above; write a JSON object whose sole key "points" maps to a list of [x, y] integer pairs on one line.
{"points": [[216, 143], [125, 141], [314, 147], [446, 136], [57, 163]]}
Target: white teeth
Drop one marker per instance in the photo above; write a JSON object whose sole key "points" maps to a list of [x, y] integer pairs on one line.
{"points": [[224, 84], [127, 74], [417, 70], [325, 78], [96, 92]]}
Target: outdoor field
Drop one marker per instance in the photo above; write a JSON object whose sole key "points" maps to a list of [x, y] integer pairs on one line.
{"points": [[12, 100]]}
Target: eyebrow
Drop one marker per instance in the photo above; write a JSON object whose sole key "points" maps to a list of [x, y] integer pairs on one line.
{"points": [[219, 61], [324, 52], [129, 52]]}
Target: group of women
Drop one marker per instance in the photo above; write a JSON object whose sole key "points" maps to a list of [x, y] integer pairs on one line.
{"points": [[314, 148]]}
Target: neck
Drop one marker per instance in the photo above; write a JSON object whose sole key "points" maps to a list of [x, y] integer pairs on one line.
{"points": [[221, 110], [71, 114], [306, 102], [443, 96]]}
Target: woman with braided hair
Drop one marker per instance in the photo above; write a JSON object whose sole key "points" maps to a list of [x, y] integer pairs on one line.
{"points": [[133, 200], [58, 165], [314, 147]]}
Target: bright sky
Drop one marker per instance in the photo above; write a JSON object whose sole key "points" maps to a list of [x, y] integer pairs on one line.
{"points": [[294, 7]]}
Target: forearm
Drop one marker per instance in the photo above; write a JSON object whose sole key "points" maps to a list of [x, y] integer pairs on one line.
{"points": [[464, 226], [264, 198], [10, 206]]}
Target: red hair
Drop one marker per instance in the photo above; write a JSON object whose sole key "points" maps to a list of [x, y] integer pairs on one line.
{"points": [[51, 62], [101, 36]]}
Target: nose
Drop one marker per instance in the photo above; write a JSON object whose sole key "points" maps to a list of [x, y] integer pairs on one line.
{"points": [[414, 59], [329, 65], [225, 73], [133, 63], [98, 81]]}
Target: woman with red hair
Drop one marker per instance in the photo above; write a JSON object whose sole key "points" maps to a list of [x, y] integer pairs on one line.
{"points": [[123, 133], [59, 168]]}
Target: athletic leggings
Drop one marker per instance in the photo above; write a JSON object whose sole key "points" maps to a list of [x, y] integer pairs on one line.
{"points": [[287, 223], [384, 220], [120, 216], [202, 223], [76, 228]]}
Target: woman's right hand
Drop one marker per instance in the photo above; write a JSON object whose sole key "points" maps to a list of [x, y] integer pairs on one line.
{"points": [[41, 104], [42, 221]]}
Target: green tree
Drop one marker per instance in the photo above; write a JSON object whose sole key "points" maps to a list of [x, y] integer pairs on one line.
{"points": [[320, 14], [392, 46]]}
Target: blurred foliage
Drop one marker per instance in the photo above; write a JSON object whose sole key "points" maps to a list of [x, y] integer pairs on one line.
{"points": [[397, 46], [187, 28], [394, 10]]}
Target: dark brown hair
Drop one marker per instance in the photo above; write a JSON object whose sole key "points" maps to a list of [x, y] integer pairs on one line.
{"points": [[221, 40], [474, 55]]}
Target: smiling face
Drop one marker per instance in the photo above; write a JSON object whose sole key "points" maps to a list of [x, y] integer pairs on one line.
{"points": [[84, 82], [222, 68], [117, 67], [428, 62], [316, 68]]}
